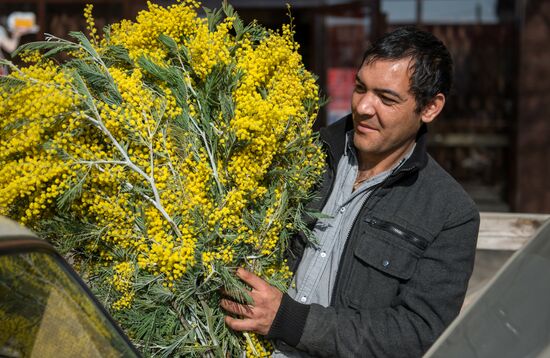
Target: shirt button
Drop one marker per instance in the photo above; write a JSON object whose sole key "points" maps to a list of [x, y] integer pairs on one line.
{"points": [[323, 254], [342, 209], [385, 263], [303, 299]]}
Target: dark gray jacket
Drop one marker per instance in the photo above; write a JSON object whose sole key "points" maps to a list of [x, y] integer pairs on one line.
{"points": [[404, 269]]}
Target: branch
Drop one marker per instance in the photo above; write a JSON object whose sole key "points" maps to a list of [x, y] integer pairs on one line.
{"points": [[98, 122], [170, 164], [201, 132], [210, 155], [188, 326]]}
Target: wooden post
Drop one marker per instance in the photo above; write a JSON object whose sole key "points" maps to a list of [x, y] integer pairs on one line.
{"points": [[532, 172], [376, 23], [418, 12], [41, 14]]}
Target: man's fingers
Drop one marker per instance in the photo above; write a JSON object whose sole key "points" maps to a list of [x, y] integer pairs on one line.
{"points": [[254, 281], [236, 296], [240, 324], [258, 317], [236, 308]]}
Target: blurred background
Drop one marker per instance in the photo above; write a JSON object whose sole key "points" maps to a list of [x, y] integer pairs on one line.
{"points": [[494, 134]]}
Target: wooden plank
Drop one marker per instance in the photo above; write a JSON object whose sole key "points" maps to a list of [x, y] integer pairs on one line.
{"points": [[507, 231], [470, 140]]}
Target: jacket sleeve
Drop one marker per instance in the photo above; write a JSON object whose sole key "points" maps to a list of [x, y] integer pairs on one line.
{"points": [[425, 305]]}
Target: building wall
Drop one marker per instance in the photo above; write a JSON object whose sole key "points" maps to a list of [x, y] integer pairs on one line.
{"points": [[532, 172], [473, 137]]}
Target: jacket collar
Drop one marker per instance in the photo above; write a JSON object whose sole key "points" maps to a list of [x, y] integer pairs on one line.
{"points": [[334, 137]]}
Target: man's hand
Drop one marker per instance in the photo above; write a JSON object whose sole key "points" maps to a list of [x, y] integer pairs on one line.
{"points": [[258, 316]]}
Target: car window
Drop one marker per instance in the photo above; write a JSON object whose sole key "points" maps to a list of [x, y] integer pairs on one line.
{"points": [[512, 317], [45, 312]]}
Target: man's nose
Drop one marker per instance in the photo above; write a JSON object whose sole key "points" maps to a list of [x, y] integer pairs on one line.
{"points": [[365, 106]]}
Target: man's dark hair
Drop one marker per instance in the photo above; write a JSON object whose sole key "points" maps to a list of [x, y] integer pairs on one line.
{"points": [[431, 65]]}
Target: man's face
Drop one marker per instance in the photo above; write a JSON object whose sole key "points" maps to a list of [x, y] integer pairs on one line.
{"points": [[383, 109]]}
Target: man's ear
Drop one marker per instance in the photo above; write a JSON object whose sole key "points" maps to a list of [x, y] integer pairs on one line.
{"points": [[433, 108]]}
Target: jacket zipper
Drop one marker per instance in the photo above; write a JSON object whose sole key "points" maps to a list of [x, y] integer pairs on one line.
{"points": [[347, 243], [399, 173], [404, 234], [333, 171]]}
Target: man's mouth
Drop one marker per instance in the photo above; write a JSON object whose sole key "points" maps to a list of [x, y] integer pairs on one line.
{"points": [[365, 128]]}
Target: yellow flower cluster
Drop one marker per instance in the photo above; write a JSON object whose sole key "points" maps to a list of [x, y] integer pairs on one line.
{"points": [[90, 22], [42, 102], [136, 112], [141, 37], [122, 282], [274, 66], [281, 270], [28, 117], [258, 347], [208, 49], [196, 178], [167, 255], [224, 254], [178, 173]]}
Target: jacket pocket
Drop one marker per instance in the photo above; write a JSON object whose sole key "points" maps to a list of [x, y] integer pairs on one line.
{"points": [[383, 260], [398, 231], [387, 257]]}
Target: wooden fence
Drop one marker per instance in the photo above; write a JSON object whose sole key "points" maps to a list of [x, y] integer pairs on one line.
{"points": [[507, 231]]}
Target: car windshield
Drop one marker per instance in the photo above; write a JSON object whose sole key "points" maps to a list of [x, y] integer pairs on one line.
{"points": [[45, 312], [512, 317]]}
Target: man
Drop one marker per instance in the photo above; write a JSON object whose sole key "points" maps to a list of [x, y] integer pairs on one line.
{"points": [[9, 44], [393, 260]]}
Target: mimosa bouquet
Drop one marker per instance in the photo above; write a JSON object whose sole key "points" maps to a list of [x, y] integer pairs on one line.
{"points": [[158, 158]]}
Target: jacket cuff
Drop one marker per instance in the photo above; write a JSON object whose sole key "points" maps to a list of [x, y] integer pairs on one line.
{"points": [[289, 321]]}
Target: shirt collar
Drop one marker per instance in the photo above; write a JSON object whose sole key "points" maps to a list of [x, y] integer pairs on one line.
{"points": [[349, 147]]}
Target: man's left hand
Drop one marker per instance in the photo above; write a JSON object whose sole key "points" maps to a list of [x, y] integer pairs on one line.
{"points": [[259, 315]]}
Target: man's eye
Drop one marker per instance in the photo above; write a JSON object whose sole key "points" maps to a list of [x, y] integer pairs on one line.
{"points": [[359, 88], [387, 100]]}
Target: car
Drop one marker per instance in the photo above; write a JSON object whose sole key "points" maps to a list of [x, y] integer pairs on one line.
{"points": [[46, 310], [511, 317]]}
